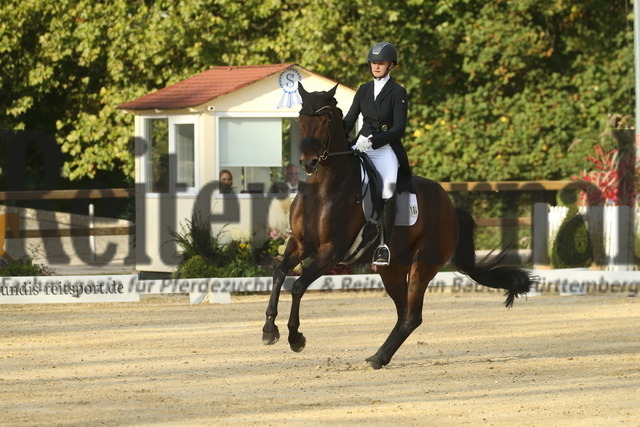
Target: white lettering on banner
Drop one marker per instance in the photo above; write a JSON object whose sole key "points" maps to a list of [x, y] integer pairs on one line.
{"points": [[67, 289]]}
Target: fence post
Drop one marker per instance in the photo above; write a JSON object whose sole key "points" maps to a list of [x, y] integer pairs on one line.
{"points": [[92, 237], [540, 234], [619, 241]]}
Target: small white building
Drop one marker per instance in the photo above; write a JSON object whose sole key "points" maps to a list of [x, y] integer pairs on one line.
{"points": [[242, 119]]}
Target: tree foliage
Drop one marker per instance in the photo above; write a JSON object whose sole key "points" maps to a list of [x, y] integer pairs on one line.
{"points": [[501, 90], [534, 83]]}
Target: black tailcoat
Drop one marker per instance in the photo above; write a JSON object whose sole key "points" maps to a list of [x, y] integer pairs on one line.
{"points": [[385, 119]]}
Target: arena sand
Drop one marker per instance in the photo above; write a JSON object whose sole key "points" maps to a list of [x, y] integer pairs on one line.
{"points": [[551, 360]]}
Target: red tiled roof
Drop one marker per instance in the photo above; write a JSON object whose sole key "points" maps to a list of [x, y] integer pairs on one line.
{"points": [[204, 87]]}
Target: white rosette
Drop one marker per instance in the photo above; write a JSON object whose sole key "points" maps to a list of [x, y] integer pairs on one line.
{"points": [[288, 81]]}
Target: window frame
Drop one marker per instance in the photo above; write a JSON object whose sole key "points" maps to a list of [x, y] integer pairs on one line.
{"points": [[172, 121], [243, 115]]}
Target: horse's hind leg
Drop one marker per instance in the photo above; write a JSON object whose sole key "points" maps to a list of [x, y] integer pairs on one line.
{"points": [[292, 257], [408, 298], [395, 284]]}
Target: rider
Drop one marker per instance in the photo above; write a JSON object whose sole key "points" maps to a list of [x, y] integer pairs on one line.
{"points": [[383, 105]]}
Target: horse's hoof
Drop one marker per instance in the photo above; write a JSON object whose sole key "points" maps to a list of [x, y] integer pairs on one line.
{"points": [[270, 338], [298, 345], [374, 363]]}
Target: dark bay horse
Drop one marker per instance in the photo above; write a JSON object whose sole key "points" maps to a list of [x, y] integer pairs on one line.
{"points": [[326, 217]]}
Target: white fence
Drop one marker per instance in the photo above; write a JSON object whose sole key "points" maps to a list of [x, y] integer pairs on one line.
{"points": [[612, 230]]}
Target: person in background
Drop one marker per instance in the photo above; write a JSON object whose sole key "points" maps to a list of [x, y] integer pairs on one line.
{"points": [[226, 182], [291, 184]]}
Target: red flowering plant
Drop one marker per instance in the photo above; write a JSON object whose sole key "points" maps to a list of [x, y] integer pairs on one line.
{"points": [[615, 179]]}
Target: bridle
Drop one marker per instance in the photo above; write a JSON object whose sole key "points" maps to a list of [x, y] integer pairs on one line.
{"points": [[362, 158], [327, 110]]}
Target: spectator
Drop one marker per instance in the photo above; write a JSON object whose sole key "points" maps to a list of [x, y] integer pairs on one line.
{"points": [[226, 182], [291, 183]]}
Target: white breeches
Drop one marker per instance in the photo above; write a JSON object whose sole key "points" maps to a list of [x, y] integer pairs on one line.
{"points": [[386, 162]]}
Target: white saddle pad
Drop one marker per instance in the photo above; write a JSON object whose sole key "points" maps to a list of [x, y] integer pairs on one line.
{"points": [[407, 213]]}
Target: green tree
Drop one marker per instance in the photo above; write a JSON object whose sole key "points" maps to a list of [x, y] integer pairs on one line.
{"points": [[68, 64], [508, 89], [530, 83]]}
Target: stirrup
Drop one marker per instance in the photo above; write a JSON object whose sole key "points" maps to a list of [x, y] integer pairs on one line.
{"points": [[382, 255]]}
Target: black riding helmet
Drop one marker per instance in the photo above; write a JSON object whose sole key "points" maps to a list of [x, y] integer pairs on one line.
{"points": [[383, 51]]}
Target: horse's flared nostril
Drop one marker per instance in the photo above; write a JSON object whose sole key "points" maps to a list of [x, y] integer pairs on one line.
{"points": [[310, 166]]}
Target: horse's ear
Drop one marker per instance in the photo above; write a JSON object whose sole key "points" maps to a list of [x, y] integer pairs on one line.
{"points": [[303, 92], [332, 92]]}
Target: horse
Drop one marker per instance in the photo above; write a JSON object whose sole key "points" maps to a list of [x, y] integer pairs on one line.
{"points": [[326, 216]]}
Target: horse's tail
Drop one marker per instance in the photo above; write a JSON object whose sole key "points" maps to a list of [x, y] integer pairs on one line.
{"points": [[488, 272]]}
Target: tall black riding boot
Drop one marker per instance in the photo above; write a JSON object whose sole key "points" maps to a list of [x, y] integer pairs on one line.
{"points": [[382, 255]]}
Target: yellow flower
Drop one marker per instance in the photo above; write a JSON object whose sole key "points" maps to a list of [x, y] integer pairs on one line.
{"points": [[417, 133], [504, 119], [427, 126], [443, 122]]}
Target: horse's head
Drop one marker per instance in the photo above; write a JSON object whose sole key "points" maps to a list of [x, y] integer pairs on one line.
{"points": [[319, 117]]}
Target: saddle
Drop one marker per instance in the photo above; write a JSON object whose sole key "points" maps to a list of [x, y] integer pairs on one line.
{"points": [[371, 200]]}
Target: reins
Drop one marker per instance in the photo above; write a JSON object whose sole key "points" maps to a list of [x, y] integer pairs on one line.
{"points": [[340, 153]]}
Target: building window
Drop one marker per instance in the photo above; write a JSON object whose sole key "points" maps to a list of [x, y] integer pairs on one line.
{"points": [[157, 135], [256, 150], [185, 157], [171, 157]]}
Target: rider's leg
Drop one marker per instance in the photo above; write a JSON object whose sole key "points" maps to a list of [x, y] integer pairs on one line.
{"points": [[382, 255], [386, 163]]}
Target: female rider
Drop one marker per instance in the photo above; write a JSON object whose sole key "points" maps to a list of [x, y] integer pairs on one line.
{"points": [[383, 105]]}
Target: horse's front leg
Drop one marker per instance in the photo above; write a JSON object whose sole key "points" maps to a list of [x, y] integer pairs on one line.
{"points": [[325, 260], [270, 332], [292, 257]]}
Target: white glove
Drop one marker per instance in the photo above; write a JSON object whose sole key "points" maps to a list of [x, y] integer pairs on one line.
{"points": [[362, 144]]}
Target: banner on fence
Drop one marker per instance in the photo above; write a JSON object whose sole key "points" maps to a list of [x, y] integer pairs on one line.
{"points": [[67, 289], [127, 288]]}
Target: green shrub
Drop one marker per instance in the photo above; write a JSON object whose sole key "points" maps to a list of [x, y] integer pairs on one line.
{"points": [[22, 267], [197, 267], [205, 255], [572, 247], [196, 238]]}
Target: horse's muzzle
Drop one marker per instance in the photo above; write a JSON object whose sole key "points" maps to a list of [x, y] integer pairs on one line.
{"points": [[310, 157], [310, 166]]}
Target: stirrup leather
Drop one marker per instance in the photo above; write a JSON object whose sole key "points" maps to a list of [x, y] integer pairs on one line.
{"points": [[382, 255]]}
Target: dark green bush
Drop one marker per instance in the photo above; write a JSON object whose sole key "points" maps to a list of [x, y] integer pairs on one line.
{"points": [[572, 247], [197, 238], [22, 267], [197, 267], [205, 255]]}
